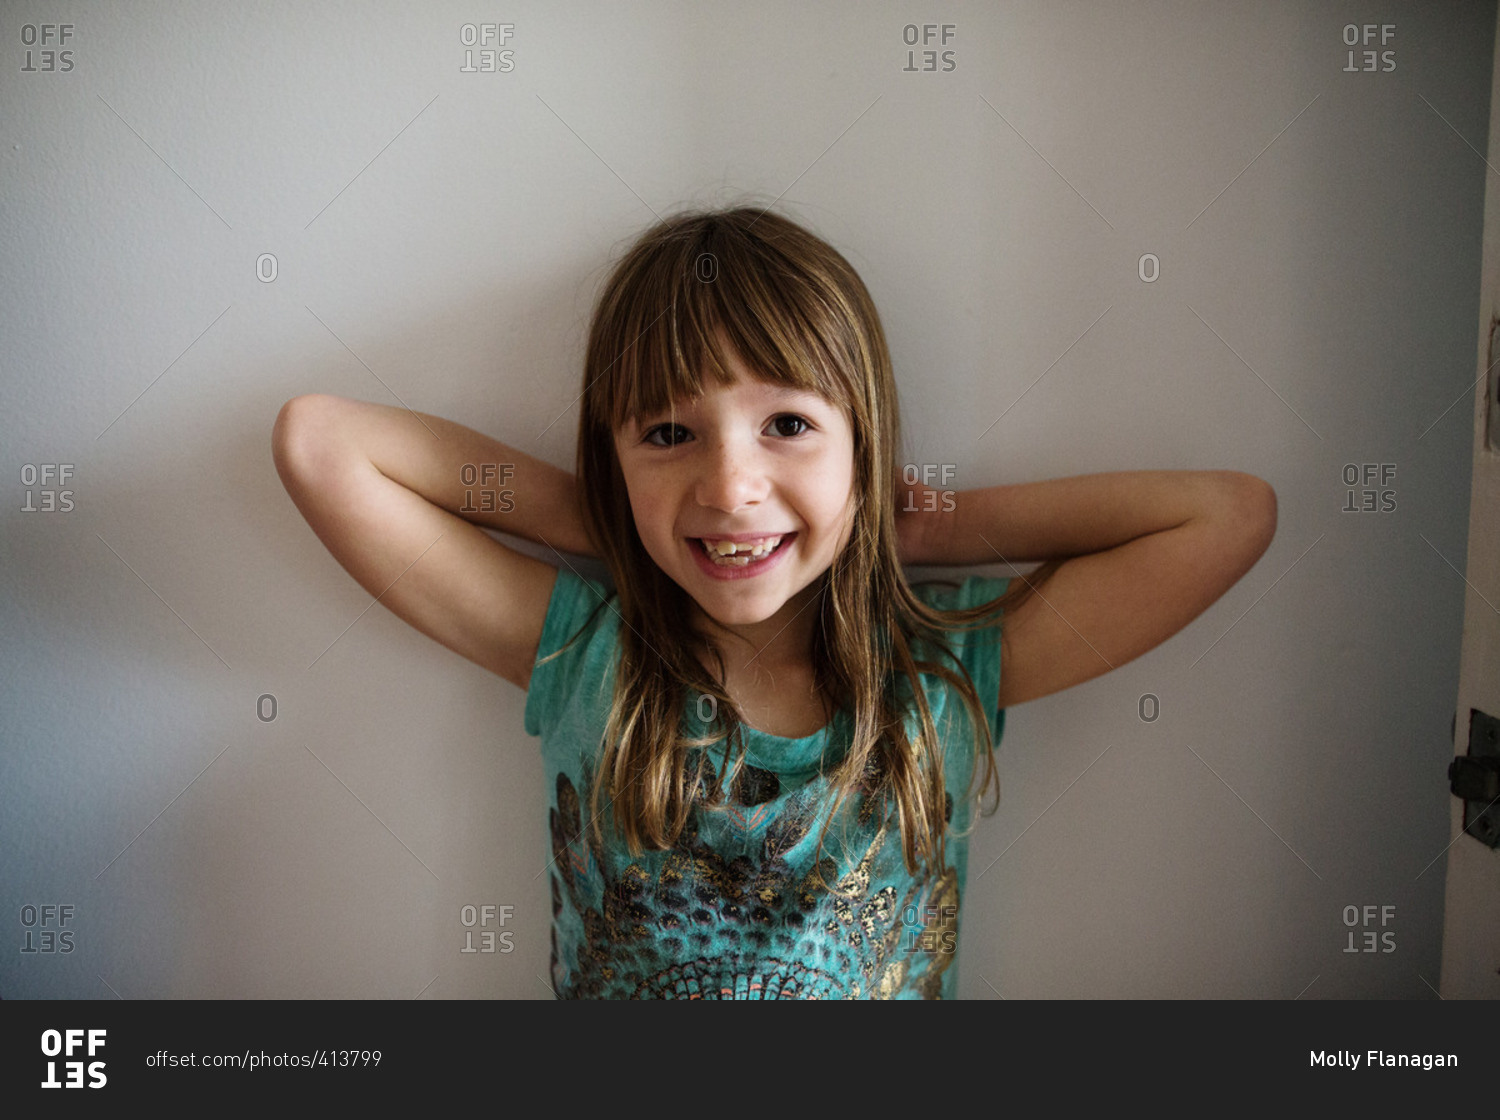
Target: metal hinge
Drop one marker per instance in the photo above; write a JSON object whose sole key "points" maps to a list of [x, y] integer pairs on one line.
{"points": [[1475, 777]]}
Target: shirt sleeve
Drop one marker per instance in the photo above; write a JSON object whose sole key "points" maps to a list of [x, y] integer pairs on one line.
{"points": [[977, 650], [571, 608]]}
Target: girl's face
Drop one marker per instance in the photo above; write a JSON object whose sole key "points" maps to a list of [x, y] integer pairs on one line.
{"points": [[752, 463]]}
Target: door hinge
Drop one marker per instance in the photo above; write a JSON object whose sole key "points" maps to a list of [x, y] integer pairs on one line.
{"points": [[1475, 777]]}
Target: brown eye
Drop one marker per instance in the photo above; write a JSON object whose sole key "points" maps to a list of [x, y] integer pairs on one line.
{"points": [[781, 422], [670, 434]]}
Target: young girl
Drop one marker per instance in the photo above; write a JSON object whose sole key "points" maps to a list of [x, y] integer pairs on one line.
{"points": [[763, 746]]}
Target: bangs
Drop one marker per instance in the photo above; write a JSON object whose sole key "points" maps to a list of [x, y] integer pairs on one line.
{"points": [[687, 301]]}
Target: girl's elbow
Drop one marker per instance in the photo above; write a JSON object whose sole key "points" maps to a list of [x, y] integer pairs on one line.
{"points": [[285, 431], [1255, 500], [306, 433]]}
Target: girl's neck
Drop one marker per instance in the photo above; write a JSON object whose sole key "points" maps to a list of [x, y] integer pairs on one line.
{"points": [[778, 698], [778, 644], [768, 672]]}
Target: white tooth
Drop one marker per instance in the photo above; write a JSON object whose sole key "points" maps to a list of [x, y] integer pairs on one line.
{"points": [[729, 548]]}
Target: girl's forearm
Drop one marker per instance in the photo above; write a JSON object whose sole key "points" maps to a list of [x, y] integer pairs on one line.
{"points": [[456, 468], [1058, 518]]}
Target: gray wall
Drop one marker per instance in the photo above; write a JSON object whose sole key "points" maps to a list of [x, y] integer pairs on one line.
{"points": [[439, 236]]}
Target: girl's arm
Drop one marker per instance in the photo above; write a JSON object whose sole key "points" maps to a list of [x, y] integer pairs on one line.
{"points": [[458, 469], [1148, 552], [395, 496]]}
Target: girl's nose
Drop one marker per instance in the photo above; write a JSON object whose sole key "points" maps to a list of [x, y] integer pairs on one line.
{"points": [[733, 477]]}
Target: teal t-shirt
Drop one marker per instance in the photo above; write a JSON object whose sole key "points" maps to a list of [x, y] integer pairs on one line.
{"points": [[735, 909]]}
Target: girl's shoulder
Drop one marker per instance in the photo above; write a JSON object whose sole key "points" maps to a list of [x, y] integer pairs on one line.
{"points": [[577, 647]]}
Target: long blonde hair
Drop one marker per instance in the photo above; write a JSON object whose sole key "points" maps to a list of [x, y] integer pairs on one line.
{"points": [[794, 311]]}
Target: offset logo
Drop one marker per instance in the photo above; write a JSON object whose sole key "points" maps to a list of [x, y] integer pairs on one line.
{"points": [[49, 37], [483, 916], [931, 60], [50, 497], [492, 498], [1362, 919], [1352, 35], [44, 928], [1375, 492], [66, 1044], [493, 59]]}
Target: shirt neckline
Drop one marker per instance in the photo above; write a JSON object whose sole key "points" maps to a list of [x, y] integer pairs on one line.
{"points": [[776, 753]]}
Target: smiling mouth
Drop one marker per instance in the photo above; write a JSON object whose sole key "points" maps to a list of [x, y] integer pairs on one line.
{"points": [[728, 554]]}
